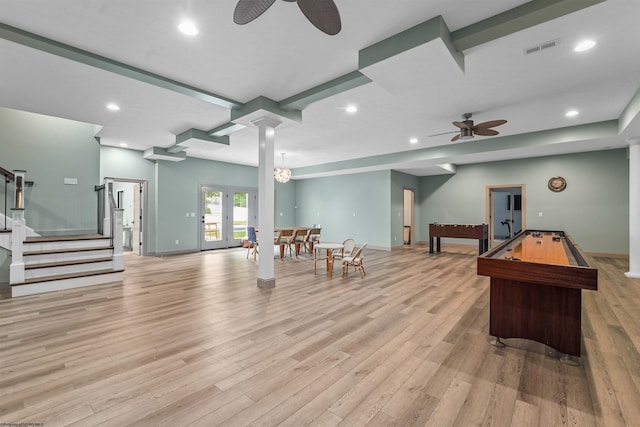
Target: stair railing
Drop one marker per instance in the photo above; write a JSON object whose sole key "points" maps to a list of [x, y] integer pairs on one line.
{"points": [[100, 190], [18, 193], [18, 232]]}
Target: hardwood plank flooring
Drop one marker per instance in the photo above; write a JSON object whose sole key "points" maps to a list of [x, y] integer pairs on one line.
{"points": [[190, 340]]}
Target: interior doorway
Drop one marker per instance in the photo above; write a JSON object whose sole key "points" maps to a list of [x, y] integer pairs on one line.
{"points": [[409, 216], [504, 211], [130, 196]]}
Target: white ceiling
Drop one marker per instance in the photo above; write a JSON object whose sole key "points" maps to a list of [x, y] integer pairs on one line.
{"points": [[414, 94]]}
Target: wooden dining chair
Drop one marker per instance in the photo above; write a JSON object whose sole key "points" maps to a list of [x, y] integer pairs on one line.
{"points": [[302, 241], [282, 239], [356, 261], [296, 240], [314, 237]]}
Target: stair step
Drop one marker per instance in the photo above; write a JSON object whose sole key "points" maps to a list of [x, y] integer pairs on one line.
{"points": [[35, 244], [66, 276], [66, 281], [66, 263], [66, 250], [41, 239]]}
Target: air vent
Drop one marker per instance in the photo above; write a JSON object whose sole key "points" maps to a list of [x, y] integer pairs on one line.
{"points": [[541, 46]]}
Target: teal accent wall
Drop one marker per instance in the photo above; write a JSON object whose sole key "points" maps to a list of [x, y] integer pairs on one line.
{"points": [[51, 149], [594, 208], [400, 181], [285, 204], [332, 202]]}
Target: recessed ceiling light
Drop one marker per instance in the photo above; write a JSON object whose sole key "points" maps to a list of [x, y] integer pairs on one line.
{"points": [[352, 109], [413, 140], [123, 144], [572, 113], [188, 28], [584, 45], [113, 107]]}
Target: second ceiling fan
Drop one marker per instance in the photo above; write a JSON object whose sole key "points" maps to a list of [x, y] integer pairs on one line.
{"points": [[321, 13]]}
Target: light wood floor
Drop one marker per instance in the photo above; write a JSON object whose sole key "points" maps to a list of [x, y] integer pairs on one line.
{"points": [[190, 340]]}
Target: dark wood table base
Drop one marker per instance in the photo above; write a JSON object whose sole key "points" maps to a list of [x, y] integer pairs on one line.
{"points": [[550, 315]]}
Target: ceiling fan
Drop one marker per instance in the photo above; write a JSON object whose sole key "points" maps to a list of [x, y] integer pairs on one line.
{"points": [[321, 13], [468, 129]]}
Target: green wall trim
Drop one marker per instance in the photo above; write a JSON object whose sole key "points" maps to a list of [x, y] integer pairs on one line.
{"points": [[524, 16], [630, 112], [434, 28], [266, 104], [202, 135], [44, 44], [541, 138], [159, 153], [341, 84], [226, 129]]}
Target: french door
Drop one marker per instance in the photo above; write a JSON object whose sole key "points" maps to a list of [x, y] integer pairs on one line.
{"points": [[225, 214]]}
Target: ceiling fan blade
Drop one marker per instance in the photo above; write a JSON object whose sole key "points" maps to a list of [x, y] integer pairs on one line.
{"points": [[323, 14], [455, 138], [485, 132], [443, 133], [462, 125], [491, 124], [248, 10]]}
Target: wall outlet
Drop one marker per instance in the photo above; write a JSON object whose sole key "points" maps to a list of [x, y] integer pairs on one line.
{"points": [[187, 214], [539, 213], [177, 242]]}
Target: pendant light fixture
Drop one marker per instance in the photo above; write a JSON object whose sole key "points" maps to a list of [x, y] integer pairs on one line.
{"points": [[282, 174]]}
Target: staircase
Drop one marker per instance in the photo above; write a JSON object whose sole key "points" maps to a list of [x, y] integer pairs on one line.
{"points": [[66, 262], [46, 264]]}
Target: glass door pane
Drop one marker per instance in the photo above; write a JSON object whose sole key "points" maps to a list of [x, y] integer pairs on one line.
{"points": [[240, 215], [212, 214]]}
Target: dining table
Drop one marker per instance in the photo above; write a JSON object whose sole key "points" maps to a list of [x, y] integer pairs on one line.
{"points": [[329, 248]]}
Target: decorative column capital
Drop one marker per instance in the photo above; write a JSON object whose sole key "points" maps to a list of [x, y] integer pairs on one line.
{"points": [[266, 122]]}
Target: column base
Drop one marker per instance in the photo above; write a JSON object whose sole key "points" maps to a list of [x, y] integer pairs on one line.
{"points": [[632, 274], [266, 283]]}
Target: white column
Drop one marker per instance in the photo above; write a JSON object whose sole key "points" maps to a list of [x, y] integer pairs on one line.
{"points": [[634, 208], [106, 221], [266, 132]]}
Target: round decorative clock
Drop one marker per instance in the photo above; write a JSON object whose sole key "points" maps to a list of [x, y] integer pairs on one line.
{"points": [[557, 184]]}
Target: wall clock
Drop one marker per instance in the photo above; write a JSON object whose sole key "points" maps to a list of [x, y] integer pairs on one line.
{"points": [[557, 184]]}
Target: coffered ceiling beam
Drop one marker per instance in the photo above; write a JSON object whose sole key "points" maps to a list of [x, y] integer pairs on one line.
{"points": [[519, 18], [333, 87], [53, 47], [433, 29]]}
